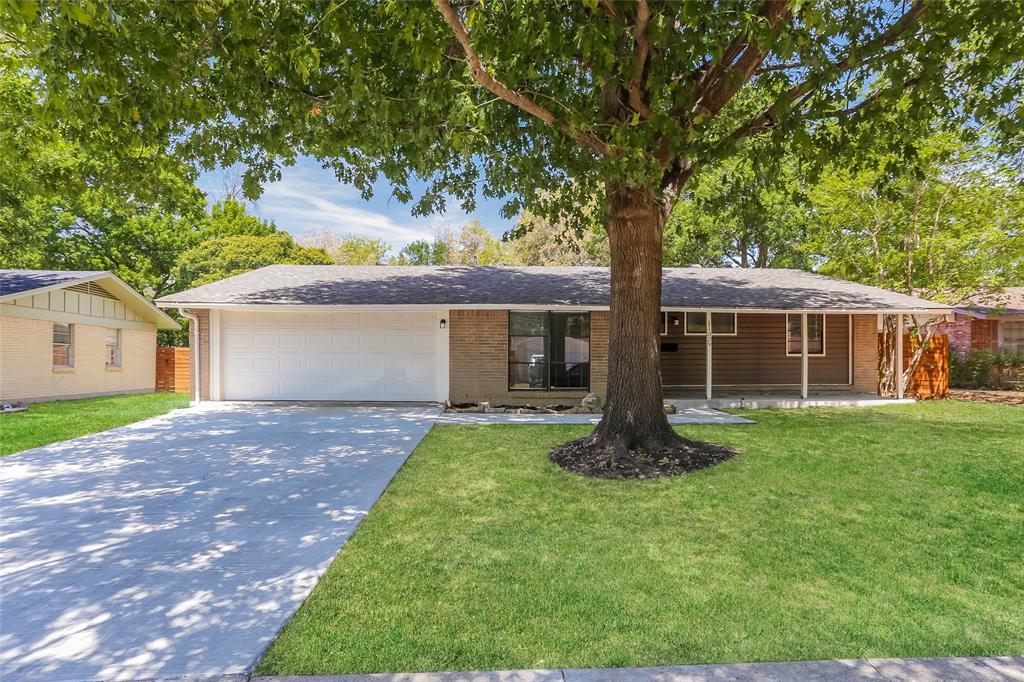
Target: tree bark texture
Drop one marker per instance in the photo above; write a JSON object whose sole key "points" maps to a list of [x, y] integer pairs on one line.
{"points": [[633, 416]]}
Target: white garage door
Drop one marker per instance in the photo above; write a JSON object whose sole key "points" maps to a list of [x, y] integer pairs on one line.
{"points": [[330, 356]]}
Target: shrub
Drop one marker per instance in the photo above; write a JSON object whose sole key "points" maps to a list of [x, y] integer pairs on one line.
{"points": [[985, 369]]}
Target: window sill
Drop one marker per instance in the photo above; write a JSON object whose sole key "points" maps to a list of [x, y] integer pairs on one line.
{"points": [[549, 390], [63, 370], [114, 369]]}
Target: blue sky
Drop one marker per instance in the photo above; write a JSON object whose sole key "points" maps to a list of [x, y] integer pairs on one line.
{"points": [[309, 198]]}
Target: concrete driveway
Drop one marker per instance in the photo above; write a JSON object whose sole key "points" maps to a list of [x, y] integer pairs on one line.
{"points": [[180, 545]]}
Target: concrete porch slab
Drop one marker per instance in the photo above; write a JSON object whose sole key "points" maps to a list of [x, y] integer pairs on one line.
{"points": [[755, 402], [692, 415]]}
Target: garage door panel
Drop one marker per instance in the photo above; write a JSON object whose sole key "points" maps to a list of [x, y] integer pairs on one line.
{"points": [[264, 339], [238, 339], [318, 340], [325, 356], [371, 341], [397, 342], [265, 364], [343, 339]]}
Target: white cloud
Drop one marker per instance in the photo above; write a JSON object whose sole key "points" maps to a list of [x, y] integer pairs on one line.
{"points": [[309, 198]]}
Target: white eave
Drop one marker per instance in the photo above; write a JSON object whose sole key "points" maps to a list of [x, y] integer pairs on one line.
{"points": [[304, 307]]}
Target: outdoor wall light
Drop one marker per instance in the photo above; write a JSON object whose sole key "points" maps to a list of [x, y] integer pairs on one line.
{"points": [[444, 323], [675, 321]]}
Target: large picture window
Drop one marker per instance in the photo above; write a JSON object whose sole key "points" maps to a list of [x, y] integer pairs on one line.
{"points": [[63, 345], [548, 350], [815, 335]]}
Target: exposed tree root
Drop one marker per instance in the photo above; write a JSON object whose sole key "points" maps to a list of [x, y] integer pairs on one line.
{"points": [[602, 459]]}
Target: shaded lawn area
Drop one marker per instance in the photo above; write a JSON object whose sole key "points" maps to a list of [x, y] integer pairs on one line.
{"points": [[894, 531], [45, 423]]}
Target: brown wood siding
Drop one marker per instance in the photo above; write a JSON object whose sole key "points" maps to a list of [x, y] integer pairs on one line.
{"points": [[756, 355]]}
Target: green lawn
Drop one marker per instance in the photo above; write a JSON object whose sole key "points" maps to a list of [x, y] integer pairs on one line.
{"points": [[894, 531], [50, 422]]}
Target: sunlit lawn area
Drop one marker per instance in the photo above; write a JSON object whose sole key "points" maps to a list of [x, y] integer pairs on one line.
{"points": [[894, 531], [45, 423]]}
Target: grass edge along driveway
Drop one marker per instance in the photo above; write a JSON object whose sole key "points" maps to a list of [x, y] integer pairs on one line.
{"points": [[50, 422], [887, 532]]}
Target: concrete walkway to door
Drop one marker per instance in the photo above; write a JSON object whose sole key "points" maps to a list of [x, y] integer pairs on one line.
{"points": [[180, 545]]}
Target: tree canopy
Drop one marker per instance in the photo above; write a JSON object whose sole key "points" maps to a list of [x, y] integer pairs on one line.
{"points": [[517, 95]]}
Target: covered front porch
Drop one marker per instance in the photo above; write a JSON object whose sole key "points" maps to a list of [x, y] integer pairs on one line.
{"points": [[771, 358]]}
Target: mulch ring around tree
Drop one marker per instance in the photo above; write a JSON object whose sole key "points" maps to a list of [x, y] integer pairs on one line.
{"points": [[581, 457]]}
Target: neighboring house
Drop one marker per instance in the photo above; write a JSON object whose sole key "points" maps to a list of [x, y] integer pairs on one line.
{"points": [[522, 334], [75, 334], [990, 322]]}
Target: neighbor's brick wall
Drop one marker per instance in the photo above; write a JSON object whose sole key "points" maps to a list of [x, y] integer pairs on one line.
{"points": [[27, 371], [478, 343], [204, 349], [967, 334], [865, 353]]}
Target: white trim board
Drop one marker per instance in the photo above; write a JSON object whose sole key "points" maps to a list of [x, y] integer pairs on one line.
{"points": [[301, 307]]}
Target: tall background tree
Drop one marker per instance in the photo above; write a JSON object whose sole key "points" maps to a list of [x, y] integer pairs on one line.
{"points": [[627, 100]]}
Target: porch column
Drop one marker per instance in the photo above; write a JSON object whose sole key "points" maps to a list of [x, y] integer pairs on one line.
{"points": [[707, 356], [803, 355], [899, 356]]}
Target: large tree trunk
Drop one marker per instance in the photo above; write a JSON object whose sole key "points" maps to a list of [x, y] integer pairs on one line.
{"points": [[634, 417]]}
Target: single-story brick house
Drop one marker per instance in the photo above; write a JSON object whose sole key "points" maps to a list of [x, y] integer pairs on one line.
{"points": [[991, 322], [75, 334], [522, 334]]}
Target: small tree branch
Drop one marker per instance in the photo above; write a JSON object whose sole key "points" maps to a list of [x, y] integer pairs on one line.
{"points": [[864, 103], [799, 93], [643, 49], [719, 83], [779, 67], [482, 76]]}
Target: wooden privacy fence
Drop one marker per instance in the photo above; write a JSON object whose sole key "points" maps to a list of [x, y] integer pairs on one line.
{"points": [[931, 379], [172, 370]]}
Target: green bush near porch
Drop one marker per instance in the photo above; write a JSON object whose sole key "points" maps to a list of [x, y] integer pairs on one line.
{"points": [[893, 531]]}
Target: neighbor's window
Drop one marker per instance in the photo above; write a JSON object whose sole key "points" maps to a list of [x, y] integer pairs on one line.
{"points": [[722, 324], [63, 350], [548, 350], [815, 335], [113, 348]]}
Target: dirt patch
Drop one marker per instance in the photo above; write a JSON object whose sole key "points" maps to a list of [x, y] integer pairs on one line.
{"points": [[581, 457], [982, 395]]}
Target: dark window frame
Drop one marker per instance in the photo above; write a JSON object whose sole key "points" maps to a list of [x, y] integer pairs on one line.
{"points": [[686, 324], [68, 346], [548, 326], [799, 337]]}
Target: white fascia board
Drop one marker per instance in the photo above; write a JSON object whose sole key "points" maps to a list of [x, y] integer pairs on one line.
{"points": [[298, 307]]}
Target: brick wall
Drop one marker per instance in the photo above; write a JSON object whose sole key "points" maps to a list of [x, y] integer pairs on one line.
{"points": [[865, 353], [967, 334], [478, 342], [27, 371], [204, 349]]}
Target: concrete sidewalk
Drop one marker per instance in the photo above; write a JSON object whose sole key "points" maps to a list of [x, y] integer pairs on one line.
{"points": [[976, 669]]}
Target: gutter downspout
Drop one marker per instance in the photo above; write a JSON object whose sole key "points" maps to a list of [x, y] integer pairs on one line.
{"points": [[193, 326]]}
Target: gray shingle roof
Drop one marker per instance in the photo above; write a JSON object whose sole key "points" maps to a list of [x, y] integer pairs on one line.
{"points": [[540, 286], [17, 281], [1007, 303]]}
